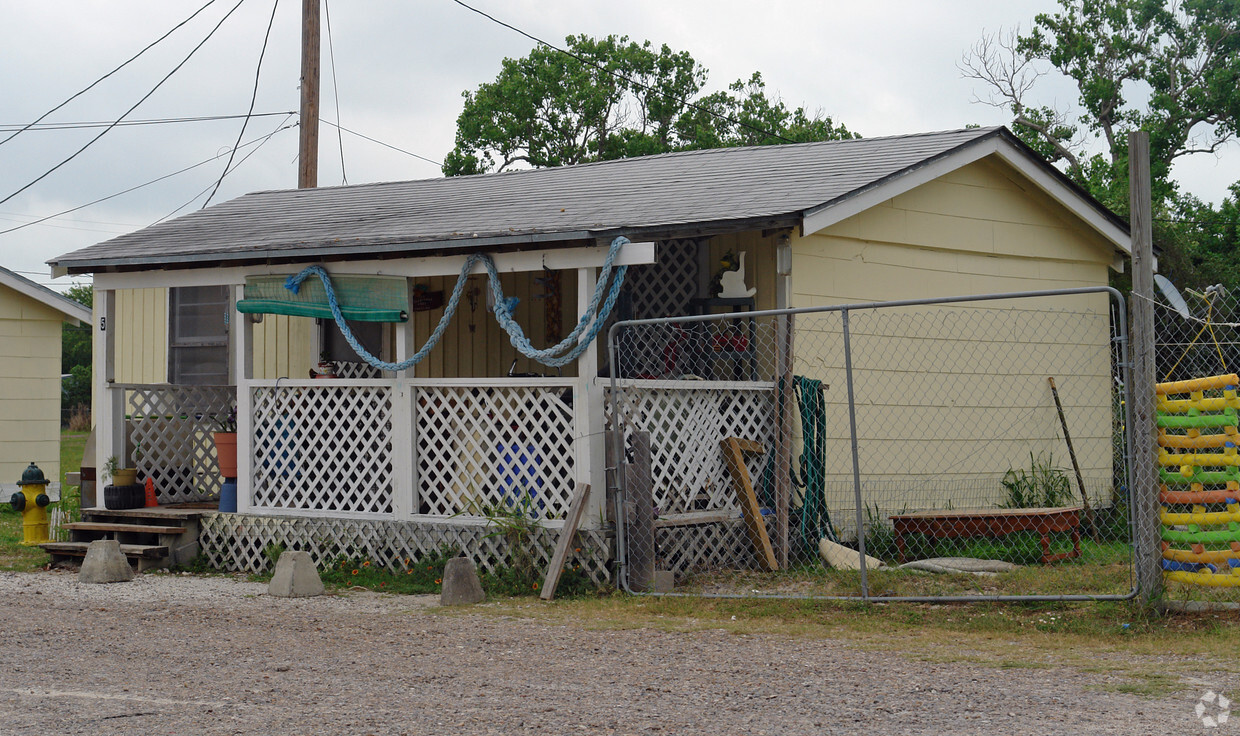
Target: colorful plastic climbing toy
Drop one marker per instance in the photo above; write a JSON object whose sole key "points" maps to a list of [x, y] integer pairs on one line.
{"points": [[1199, 467]]}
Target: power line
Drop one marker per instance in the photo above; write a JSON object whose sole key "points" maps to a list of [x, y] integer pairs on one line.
{"points": [[229, 171], [621, 77], [387, 145], [331, 53], [47, 173], [253, 98], [70, 227], [147, 184], [127, 123], [105, 76]]}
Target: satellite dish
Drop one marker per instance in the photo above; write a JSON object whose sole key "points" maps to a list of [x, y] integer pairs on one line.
{"points": [[1173, 294]]}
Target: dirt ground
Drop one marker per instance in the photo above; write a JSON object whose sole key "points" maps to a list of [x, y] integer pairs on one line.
{"points": [[168, 654]]}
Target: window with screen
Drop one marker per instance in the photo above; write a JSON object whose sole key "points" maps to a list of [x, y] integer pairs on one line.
{"points": [[198, 335]]}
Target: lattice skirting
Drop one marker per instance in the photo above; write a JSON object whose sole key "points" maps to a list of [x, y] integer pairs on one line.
{"points": [[237, 542], [705, 547]]}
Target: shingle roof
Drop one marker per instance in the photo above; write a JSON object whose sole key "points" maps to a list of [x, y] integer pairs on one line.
{"points": [[661, 193]]}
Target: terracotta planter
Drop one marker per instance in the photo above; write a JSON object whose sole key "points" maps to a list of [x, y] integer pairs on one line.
{"points": [[226, 453]]}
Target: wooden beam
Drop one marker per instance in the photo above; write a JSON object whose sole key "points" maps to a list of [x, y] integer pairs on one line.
{"points": [[732, 449], [639, 513], [564, 544]]}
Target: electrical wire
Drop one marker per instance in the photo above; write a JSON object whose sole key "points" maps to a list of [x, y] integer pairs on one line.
{"points": [[105, 76], [127, 123], [331, 53], [623, 78], [229, 171], [386, 145], [253, 98], [91, 142], [147, 184]]}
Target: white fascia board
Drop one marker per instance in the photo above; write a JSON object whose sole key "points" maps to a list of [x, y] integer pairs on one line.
{"points": [[827, 215], [73, 312], [556, 259]]}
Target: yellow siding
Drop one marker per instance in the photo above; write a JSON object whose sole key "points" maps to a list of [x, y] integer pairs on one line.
{"points": [[141, 335], [935, 404], [284, 347], [759, 262], [29, 386]]}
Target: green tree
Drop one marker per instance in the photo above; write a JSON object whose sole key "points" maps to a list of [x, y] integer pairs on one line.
{"points": [[76, 339], [614, 98]]}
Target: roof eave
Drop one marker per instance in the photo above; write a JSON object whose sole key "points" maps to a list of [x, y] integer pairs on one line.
{"points": [[73, 312]]}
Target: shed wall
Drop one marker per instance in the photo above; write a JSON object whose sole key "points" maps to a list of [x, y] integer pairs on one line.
{"points": [[29, 386], [952, 397]]}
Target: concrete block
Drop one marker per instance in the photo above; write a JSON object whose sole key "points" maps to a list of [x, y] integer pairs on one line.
{"points": [[104, 563], [461, 585], [295, 577], [664, 581]]}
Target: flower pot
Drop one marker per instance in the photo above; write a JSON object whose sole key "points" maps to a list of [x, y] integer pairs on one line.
{"points": [[125, 476], [226, 453]]}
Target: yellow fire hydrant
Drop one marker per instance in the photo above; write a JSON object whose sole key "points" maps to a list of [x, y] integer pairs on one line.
{"points": [[32, 501]]}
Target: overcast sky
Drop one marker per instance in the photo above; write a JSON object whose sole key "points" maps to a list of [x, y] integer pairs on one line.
{"points": [[881, 68]]}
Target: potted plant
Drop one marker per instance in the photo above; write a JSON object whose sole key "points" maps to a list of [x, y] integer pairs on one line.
{"points": [[123, 491], [112, 471], [225, 436]]}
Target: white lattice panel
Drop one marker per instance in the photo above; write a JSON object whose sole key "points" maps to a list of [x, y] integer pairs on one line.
{"points": [[323, 448], [170, 430], [686, 426], [347, 369], [705, 547], [664, 289], [481, 447], [237, 542]]}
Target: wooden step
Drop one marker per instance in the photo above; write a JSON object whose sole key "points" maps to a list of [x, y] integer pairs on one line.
{"points": [[158, 513], [78, 549], [98, 526]]}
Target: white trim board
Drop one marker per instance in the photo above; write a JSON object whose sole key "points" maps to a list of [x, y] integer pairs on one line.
{"points": [[73, 312], [824, 216], [632, 254]]}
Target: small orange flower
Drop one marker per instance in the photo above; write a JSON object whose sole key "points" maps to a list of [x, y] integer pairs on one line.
{"points": [[535, 586], [438, 581], [408, 572], [382, 585], [355, 572], [366, 563]]}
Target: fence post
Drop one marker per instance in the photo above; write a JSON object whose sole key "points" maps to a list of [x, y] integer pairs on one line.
{"points": [[784, 399], [856, 460], [1144, 478], [639, 515]]}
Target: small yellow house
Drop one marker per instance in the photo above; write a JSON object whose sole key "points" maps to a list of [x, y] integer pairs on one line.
{"points": [[335, 453], [30, 389]]}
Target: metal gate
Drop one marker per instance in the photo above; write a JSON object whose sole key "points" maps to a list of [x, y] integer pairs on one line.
{"points": [[968, 448]]}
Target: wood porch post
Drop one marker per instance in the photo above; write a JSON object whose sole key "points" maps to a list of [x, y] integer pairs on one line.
{"points": [[243, 373], [405, 502], [109, 402], [588, 406]]}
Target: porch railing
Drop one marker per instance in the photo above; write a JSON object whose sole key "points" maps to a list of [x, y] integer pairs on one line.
{"points": [[397, 448]]}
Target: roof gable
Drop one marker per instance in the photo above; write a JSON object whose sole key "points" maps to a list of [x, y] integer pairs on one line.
{"points": [[72, 311]]}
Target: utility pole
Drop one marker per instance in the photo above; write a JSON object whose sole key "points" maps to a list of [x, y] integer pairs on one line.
{"points": [[1143, 476], [308, 151]]}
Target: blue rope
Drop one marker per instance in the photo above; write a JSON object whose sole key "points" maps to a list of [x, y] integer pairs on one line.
{"points": [[594, 317]]}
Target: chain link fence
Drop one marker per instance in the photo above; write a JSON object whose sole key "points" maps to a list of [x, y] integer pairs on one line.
{"points": [[968, 448], [1197, 356]]}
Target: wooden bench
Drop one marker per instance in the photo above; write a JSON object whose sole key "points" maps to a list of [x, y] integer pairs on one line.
{"points": [[957, 523]]}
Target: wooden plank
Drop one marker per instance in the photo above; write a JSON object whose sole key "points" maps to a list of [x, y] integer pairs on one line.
{"points": [[96, 526], [78, 549], [732, 449], [639, 510], [690, 518], [565, 542], [785, 398]]}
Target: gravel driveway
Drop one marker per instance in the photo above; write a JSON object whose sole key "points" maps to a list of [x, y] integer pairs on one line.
{"points": [[169, 654]]}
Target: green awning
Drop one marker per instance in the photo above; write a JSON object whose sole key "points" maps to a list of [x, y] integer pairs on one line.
{"points": [[361, 298]]}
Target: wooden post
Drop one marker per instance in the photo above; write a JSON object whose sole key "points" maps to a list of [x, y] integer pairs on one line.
{"points": [[565, 542], [1076, 466], [588, 409], [243, 375], [308, 149], [1143, 474], [639, 515]]}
